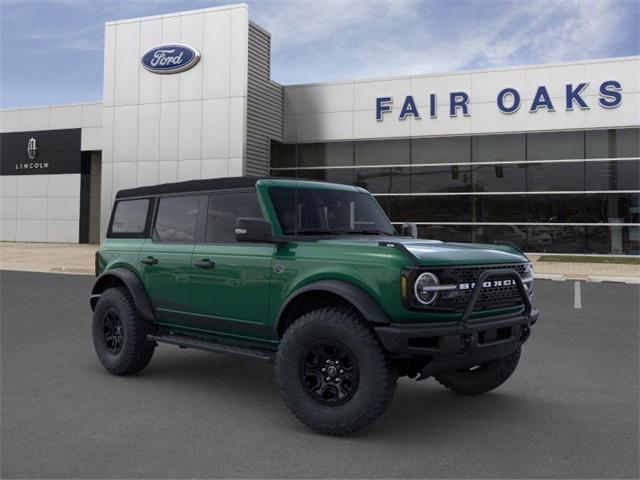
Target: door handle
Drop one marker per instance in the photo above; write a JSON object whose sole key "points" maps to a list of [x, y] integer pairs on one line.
{"points": [[149, 261], [205, 263]]}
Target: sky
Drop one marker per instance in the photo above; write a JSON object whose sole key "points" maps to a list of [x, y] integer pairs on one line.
{"points": [[51, 51]]}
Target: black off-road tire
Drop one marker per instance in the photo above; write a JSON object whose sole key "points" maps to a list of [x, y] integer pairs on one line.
{"points": [[370, 394], [135, 350], [481, 379]]}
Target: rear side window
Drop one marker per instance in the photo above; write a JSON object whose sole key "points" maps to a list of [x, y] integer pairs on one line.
{"points": [[176, 219], [224, 210], [130, 217]]}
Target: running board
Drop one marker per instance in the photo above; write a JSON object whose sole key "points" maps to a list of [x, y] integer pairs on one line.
{"points": [[210, 346]]}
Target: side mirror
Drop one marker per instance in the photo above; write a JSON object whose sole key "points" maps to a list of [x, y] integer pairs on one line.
{"points": [[409, 230], [255, 230]]}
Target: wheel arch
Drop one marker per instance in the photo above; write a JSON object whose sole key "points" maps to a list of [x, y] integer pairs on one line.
{"points": [[123, 277], [325, 293]]}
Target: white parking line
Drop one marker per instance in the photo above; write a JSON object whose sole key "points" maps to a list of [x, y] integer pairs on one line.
{"points": [[577, 295]]}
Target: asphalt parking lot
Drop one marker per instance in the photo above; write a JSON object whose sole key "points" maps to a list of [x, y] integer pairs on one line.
{"points": [[571, 409]]}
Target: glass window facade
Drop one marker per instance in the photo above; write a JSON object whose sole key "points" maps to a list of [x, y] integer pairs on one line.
{"points": [[565, 192]]}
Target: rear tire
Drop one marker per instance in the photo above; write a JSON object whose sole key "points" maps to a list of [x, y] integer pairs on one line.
{"points": [[120, 333], [357, 382], [481, 379]]}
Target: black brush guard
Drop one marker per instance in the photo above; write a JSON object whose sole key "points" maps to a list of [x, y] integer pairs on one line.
{"points": [[468, 342]]}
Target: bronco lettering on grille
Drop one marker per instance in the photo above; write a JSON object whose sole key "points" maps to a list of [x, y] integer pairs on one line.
{"points": [[488, 284]]}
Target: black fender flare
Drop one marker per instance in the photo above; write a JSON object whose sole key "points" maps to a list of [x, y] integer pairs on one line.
{"points": [[133, 284], [361, 300]]}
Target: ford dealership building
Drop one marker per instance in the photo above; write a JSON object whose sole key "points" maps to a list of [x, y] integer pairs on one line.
{"points": [[545, 156]]}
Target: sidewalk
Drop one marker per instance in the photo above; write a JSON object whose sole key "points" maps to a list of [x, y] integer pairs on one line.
{"points": [[73, 258], [592, 272], [47, 257]]}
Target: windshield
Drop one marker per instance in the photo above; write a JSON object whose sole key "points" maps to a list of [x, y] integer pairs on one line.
{"points": [[314, 211]]}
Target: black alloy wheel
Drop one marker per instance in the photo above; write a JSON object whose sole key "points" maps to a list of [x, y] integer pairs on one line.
{"points": [[330, 373], [113, 333]]}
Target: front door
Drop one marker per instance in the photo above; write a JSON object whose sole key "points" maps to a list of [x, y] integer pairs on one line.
{"points": [[166, 257], [230, 281]]}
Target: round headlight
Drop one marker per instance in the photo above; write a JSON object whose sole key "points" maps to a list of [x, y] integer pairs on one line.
{"points": [[423, 293]]}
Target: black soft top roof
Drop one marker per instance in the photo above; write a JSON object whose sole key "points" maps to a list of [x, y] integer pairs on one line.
{"points": [[191, 186]]}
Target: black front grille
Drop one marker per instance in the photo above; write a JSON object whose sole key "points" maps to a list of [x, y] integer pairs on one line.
{"points": [[490, 297]]}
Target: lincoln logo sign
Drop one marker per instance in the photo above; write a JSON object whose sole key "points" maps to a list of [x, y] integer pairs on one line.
{"points": [[172, 58], [508, 101], [32, 154]]}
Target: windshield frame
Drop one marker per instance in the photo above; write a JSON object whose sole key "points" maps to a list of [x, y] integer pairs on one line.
{"points": [[311, 233]]}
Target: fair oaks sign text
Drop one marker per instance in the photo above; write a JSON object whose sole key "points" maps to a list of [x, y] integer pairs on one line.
{"points": [[508, 100]]}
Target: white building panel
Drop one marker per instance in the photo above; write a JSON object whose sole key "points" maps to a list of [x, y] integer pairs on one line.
{"points": [[554, 78], [366, 92], [626, 72], [484, 116], [215, 168], [31, 230], [125, 134], [167, 171], [424, 85], [63, 231], [191, 34], [169, 131], [33, 119], [107, 134], [215, 128], [63, 208], [149, 83], [65, 116], [32, 208], [109, 68], [189, 169], [238, 61], [8, 185], [627, 114], [126, 63], [486, 85], [336, 97], [8, 208], [91, 115], [149, 132], [91, 139], [64, 185], [9, 120], [170, 84], [190, 130], [32, 185], [148, 173], [8, 230]]}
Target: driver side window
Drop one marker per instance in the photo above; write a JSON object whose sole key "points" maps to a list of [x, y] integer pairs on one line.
{"points": [[224, 210]]}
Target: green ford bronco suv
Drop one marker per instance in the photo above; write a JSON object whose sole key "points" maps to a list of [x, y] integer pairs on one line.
{"points": [[312, 277]]}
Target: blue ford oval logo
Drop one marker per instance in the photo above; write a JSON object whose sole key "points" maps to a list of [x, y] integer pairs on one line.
{"points": [[172, 58]]}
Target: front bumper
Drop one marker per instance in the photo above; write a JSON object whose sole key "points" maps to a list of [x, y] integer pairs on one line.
{"points": [[466, 343], [452, 346]]}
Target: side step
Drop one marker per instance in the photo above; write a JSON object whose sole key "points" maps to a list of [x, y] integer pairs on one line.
{"points": [[210, 346]]}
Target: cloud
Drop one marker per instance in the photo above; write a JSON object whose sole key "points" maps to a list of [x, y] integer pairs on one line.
{"points": [[342, 40], [321, 40]]}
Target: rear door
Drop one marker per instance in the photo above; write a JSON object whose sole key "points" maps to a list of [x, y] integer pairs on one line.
{"points": [[230, 281], [165, 258]]}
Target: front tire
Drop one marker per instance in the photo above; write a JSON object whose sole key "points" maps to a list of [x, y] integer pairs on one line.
{"points": [[333, 373], [120, 333], [480, 379]]}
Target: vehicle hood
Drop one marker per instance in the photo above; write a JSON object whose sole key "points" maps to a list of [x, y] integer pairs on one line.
{"points": [[437, 253]]}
